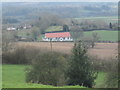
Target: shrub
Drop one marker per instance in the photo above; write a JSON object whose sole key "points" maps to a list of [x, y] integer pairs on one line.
{"points": [[112, 74], [110, 67], [47, 68]]}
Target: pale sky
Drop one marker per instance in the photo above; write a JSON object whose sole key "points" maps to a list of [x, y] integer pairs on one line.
{"points": [[60, 0]]}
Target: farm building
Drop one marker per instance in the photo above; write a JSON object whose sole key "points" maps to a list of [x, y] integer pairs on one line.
{"points": [[61, 36], [11, 29]]}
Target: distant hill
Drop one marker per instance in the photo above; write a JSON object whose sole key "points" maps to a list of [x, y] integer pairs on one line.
{"points": [[27, 11]]}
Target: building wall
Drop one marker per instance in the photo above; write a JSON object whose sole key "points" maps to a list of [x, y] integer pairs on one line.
{"points": [[58, 39]]}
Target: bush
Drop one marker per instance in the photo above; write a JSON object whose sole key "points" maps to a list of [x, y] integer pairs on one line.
{"points": [[47, 68], [110, 67], [112, 74]]}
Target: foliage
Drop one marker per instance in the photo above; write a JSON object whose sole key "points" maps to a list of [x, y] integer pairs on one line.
{"points": [[110, 25], [47, 68], [80, 70], [65, 28], [110, 68], [111, 80]]}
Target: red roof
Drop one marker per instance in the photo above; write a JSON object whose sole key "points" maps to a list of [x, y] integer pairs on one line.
{"points": [[54, 35]]}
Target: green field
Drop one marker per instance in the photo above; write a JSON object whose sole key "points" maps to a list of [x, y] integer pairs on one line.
{"points": [[104, 35], [54, 28], [106, 19], [14, 77]]}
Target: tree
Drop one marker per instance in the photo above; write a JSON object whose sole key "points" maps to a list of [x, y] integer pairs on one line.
{"points": [[35, 33], [80, 70], [47, 68], [110, 25], [47, 19], [76, 32], [95, 38], [8, 39], [77, 35], [65, 28]]}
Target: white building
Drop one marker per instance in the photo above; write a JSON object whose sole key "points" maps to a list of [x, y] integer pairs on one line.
{"points": [[61, 36]]}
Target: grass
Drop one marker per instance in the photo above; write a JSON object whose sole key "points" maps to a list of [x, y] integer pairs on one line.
{"points": [[106, 19], [104, 35], [54, 28], [23, 33], [100, 80], [13, 76]]}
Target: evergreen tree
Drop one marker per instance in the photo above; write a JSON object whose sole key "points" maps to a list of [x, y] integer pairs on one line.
{"points": [[80, 71], [110, 25], [65, 28]]}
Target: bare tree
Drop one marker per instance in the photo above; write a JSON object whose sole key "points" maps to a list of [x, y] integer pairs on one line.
{"points": [[8, 39], [47, 19], [95, 38]]}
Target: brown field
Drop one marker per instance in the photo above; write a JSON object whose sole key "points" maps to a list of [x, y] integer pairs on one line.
{"points": [[101, 50]]}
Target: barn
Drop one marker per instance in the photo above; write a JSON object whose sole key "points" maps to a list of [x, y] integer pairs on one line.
{"points": [[59, 36]]}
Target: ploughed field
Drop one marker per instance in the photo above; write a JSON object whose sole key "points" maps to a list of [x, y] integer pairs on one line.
{"points": [[101, 50]]}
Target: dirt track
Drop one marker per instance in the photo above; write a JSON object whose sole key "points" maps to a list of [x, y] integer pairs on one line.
{"points": [[101, 50]]}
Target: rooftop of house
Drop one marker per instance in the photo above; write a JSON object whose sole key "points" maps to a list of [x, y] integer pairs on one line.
{"points": [[57, 35]]}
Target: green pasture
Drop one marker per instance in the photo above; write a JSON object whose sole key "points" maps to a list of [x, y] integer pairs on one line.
{"points": [[13, 76], [23, 33], [104, 35], [106, 19], [54, 28]]}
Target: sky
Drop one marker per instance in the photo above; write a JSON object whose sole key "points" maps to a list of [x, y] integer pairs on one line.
{"points": [[60, 0]]}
